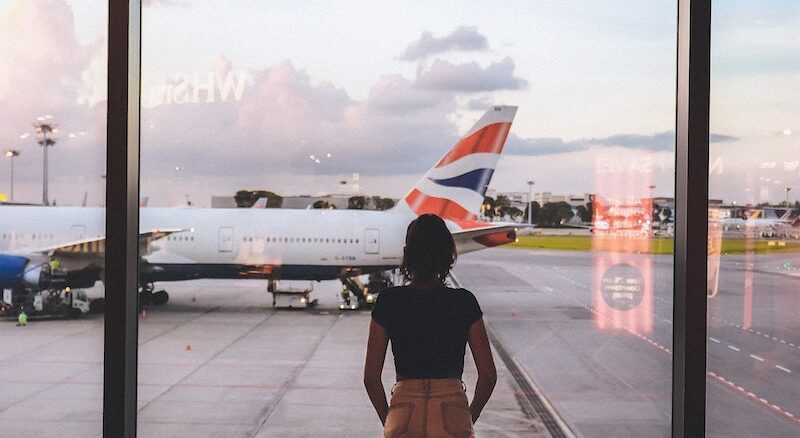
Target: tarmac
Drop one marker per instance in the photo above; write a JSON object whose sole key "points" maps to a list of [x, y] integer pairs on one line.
{"points": [[610, 375], [218, 360]]}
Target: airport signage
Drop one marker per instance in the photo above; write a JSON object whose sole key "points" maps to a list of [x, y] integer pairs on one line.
{"points": [[196, 88]]}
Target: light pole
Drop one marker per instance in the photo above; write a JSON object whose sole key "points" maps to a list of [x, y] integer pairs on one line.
{"points": [[43, 127], [787, 190], [530, 202], [12, 153]]}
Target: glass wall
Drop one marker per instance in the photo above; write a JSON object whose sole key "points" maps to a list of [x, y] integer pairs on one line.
{"points": [[286, 147], [754, 336], [52, 136], [583, 301]]}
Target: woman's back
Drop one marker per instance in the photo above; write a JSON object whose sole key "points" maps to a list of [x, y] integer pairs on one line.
{"points": [[428, 325], [428, 329]]}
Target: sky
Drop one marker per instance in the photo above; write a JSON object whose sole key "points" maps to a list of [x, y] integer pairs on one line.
{"points": [[376, 92]]}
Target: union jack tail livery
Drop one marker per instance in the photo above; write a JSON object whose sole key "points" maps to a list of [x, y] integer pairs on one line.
{"points": [[455, 187]]}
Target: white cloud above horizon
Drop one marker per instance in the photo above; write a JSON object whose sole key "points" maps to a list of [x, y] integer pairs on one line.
{"points": [[390, 132]]}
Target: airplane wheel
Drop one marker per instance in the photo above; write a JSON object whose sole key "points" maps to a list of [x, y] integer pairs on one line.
{"points": [[145, 297], [160, 298], [97, 305]]}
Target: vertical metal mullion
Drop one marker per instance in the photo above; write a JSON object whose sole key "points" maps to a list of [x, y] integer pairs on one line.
{"points": [[691, 218], [122, 219]]}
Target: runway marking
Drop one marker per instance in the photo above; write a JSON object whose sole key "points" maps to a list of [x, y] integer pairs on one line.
{"points": [[784, 369], [742, 391], [754, 397], [760, 359], [766, 335]]}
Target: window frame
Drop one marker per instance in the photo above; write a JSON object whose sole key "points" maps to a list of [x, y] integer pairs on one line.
{"points": [[122, 218]]}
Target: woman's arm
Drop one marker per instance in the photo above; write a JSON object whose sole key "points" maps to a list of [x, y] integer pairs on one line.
{"points": [[373, 367], [487, 374]]}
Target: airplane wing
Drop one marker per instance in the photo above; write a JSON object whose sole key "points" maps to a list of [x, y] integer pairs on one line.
{"points": [[473, 239], [96, 246]]}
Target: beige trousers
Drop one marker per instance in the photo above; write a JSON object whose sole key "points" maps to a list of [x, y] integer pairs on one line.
{"points": [[429, 408]]}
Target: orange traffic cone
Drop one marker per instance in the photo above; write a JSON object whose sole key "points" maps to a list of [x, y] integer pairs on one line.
{"points": [[188, 347]]}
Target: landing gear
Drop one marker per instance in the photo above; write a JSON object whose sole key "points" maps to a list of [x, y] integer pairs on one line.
{"points": [[148, 296], [160, 298], [356, 295], [353, 294]]}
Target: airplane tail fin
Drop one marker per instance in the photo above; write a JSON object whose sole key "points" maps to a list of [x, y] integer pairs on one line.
{"points": [[260, 203], [455, 187]]}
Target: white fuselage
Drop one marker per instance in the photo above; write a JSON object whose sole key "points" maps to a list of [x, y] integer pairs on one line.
{"points": [[275, 243]]}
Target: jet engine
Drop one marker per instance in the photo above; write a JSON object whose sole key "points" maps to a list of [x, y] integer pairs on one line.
{"points": [[18, 271]]}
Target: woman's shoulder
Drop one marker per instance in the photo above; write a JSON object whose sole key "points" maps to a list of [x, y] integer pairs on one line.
{"points": [[461, 292], [392, 291]]}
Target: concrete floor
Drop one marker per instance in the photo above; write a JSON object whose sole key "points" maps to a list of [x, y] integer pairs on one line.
{"points": [[217, 361]]}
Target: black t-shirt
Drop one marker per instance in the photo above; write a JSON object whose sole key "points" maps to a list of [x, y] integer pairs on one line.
{"points": [[428, 329]]}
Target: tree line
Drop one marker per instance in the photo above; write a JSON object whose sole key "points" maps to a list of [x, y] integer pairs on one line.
{"points": [[247, 198]]}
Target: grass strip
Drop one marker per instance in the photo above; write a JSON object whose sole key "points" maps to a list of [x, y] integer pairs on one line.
{"points": [[658, 245]]}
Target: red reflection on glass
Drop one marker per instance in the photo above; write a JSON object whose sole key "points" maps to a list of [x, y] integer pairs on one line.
{"points": [[622, 280], [749, 264], [714, 250]]}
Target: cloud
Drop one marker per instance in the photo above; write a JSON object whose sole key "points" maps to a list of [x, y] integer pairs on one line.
{"points": [[721, 138], [284, 118], [469, 77], [165, 3], [661, 141], [45, 70], [464, 38], [479, 103], [516, 145], [393, 93]]}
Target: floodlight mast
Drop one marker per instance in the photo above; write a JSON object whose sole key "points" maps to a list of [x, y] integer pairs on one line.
{"points": [[11, 154], [530, 202], [43, 128]]}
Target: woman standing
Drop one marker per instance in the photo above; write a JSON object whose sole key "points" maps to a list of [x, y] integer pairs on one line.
{"points": [[429, 325]]}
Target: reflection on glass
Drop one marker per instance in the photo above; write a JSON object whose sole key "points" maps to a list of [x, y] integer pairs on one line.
{"points": [[52, 134], [269, 131], [753, 331], [622, 243]]}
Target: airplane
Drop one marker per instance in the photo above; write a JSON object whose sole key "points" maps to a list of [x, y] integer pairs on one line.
{"points": [[758, 222], [45, 251]]}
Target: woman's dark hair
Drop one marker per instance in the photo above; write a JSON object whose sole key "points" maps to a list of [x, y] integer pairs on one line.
{"points": [[430, 251]]}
